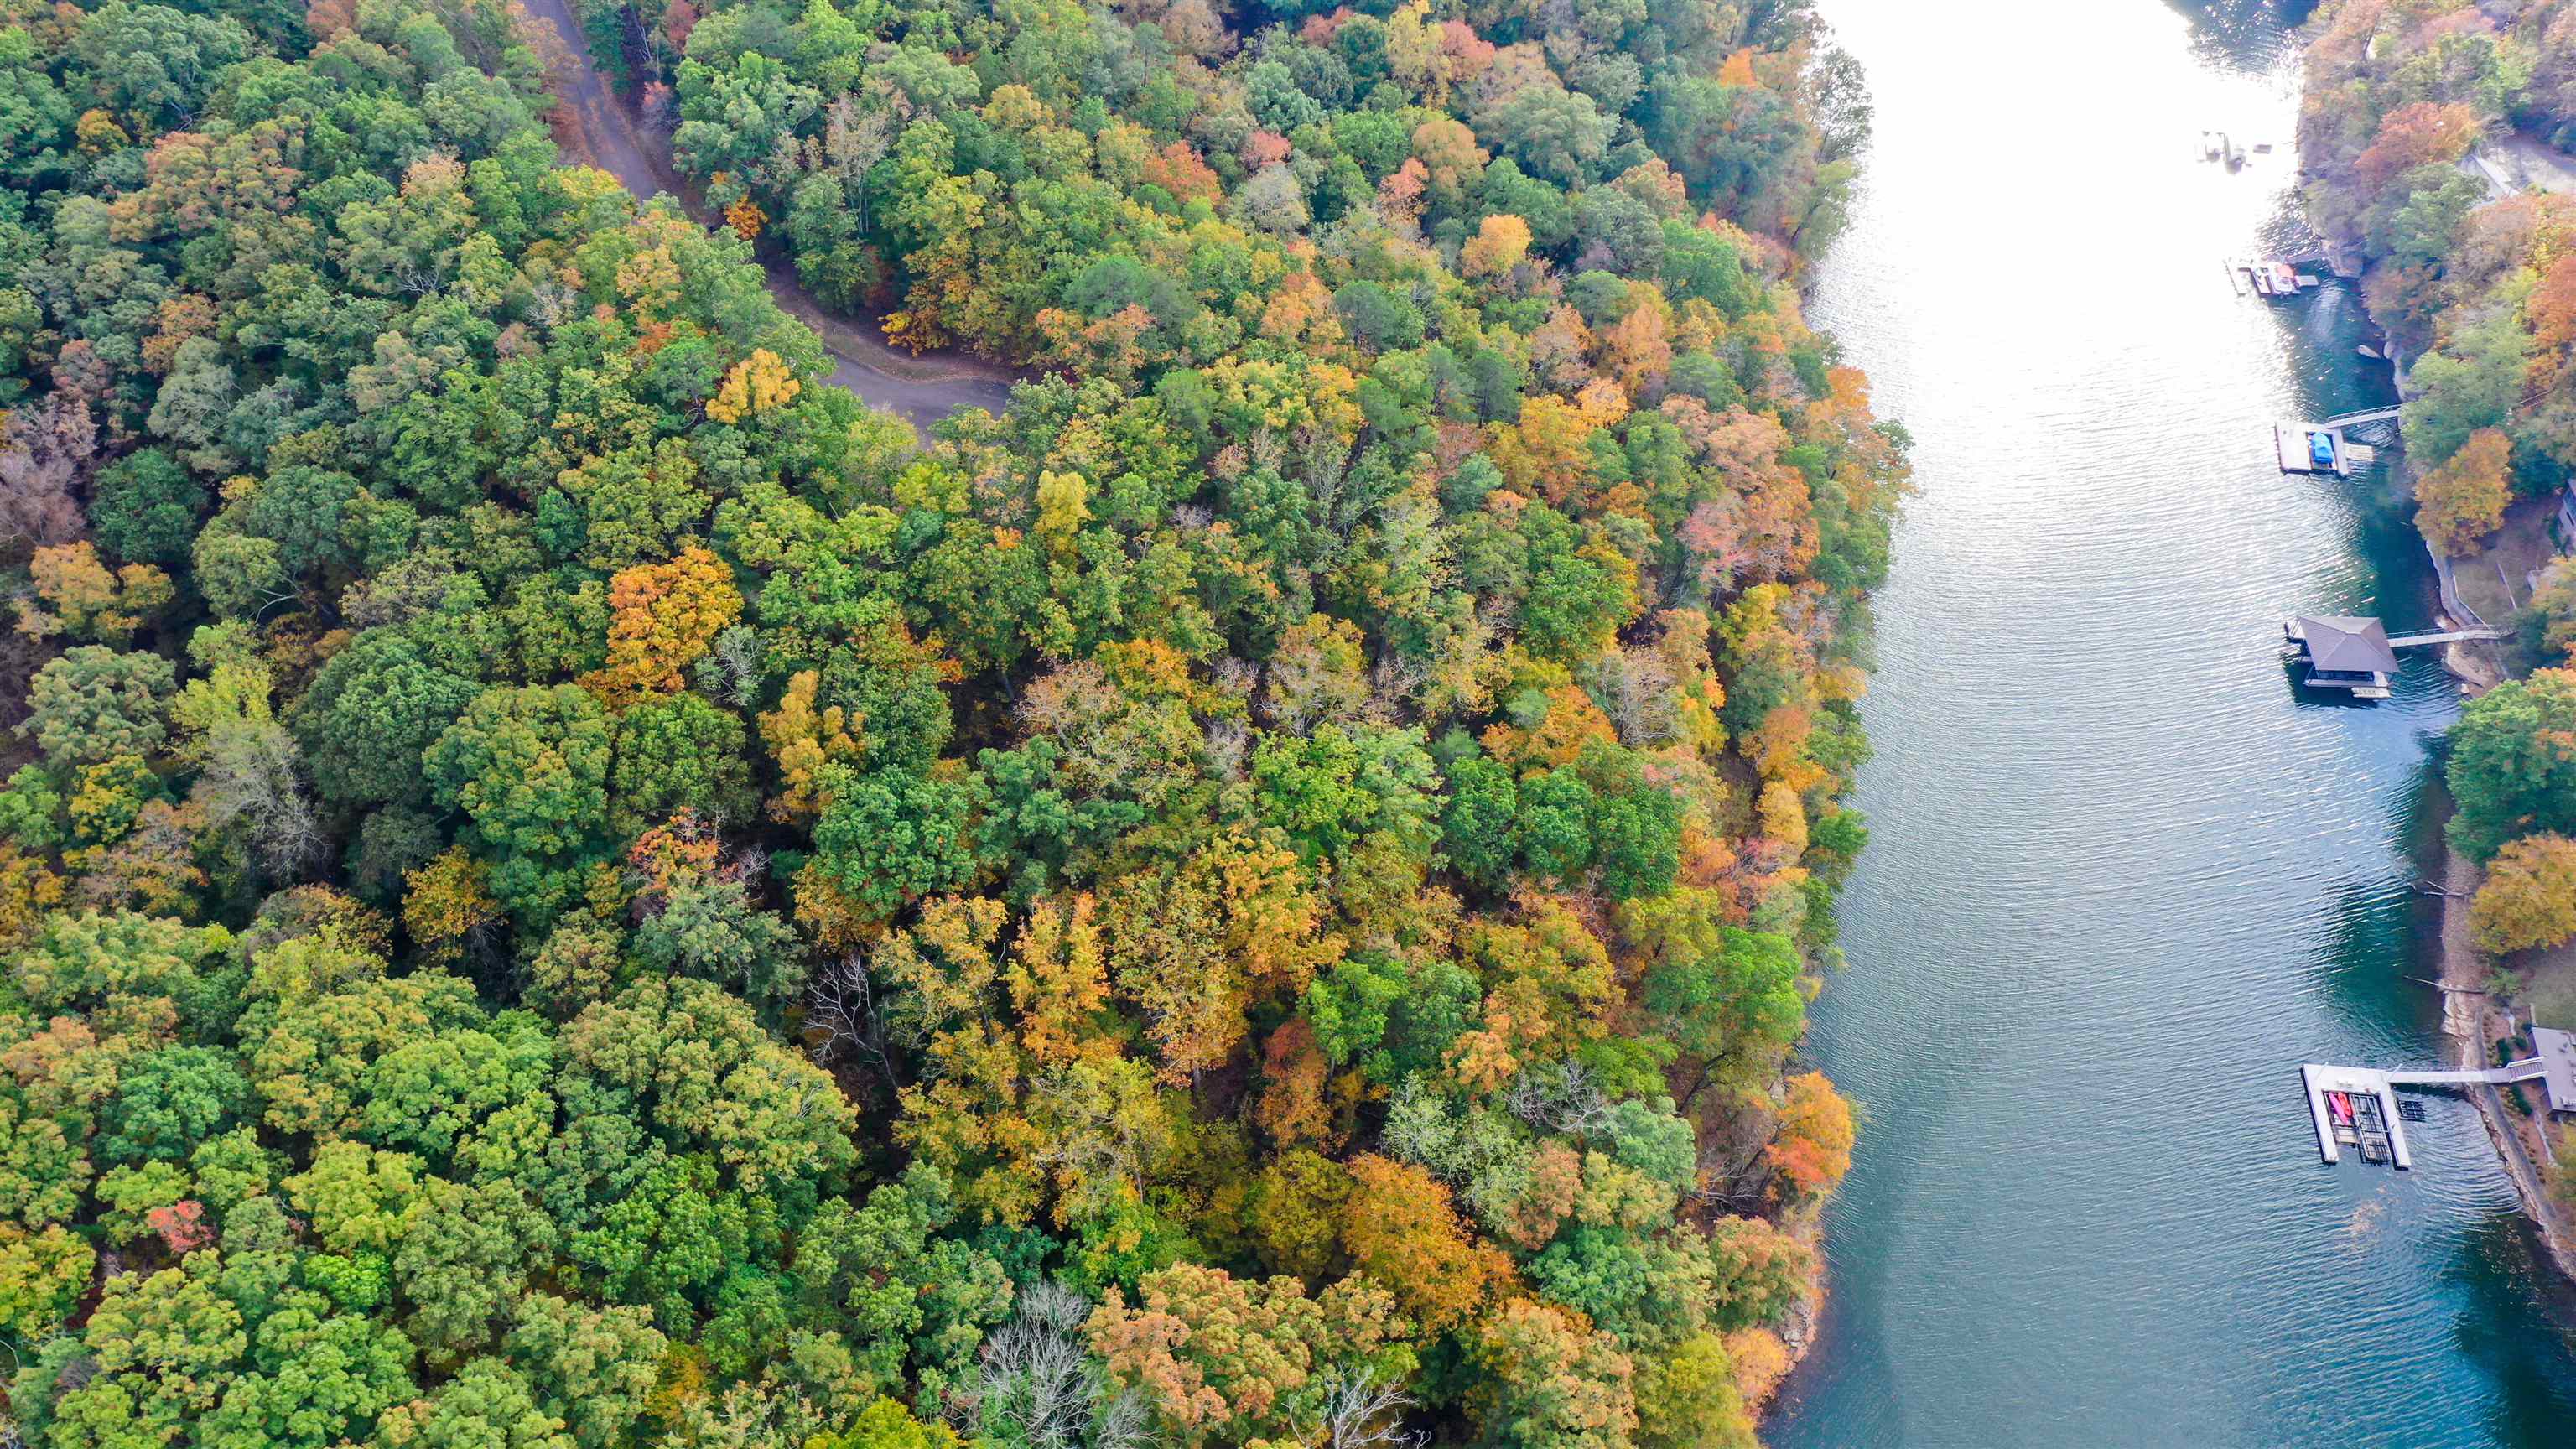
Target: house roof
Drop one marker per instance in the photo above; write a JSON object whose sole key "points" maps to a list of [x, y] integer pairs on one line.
{"points": [[2346, 645], [2557, 1051]]}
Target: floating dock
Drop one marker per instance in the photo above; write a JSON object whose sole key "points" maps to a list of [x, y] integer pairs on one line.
{"points": [[2295, 443], [2357, 1106], [2268, 279], [2384, 1137]]}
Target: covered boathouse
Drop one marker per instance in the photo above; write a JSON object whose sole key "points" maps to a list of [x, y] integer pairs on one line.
{"points": [[2342, 652]]}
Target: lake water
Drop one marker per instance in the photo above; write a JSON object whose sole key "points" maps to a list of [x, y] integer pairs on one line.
{"points": [[2123, 878]]}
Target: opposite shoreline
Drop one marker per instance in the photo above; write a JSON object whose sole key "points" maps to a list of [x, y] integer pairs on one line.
{"points": [[2469, 1008]]}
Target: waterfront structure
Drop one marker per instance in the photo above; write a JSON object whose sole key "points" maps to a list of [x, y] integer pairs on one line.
{"points": [[2357, 1106], [2322, 447], [2350, 652], [2343, 652]]}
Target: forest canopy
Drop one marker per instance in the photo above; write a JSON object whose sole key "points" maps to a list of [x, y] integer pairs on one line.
{"points": [[567, 884]]}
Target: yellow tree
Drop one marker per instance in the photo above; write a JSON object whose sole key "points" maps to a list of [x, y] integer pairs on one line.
{"points": [[2529, 899], [1058, 979], [1639, 345], [1547, 452], [666, 616], [759, 383], [83, 597], [2463, 500], [446, 902], [1195, 947], [1403, 1232], [1501, 243], [803, 739]]}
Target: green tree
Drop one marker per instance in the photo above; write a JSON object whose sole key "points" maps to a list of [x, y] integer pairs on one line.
{"points": [[94, 703], [678, 752], [2510, 769], [170, 1101], [488, 1405], [891, 836], [1725, 995], [529, 767], [1478, 825], [369, 715], [155, 64], [915, 1305], [145, 508], [593, 1368]]}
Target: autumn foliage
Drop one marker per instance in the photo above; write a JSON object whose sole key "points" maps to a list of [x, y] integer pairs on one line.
{"points": [[1813, 1145], [2462, 501], [663, 619], [2528, 899], [568, 883]]}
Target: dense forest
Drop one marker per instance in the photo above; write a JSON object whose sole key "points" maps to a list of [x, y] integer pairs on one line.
{"points": [[565, 884]]}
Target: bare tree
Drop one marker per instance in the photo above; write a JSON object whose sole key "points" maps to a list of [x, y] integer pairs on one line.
{"points": [[732, 668], [1361, 1411], [841, 1016], [1040, 1386], [1559, 1098], [250, 782], [43, 452], [1637, 687], [856, 141]]}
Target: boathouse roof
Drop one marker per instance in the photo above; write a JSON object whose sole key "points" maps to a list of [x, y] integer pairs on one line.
{"points": [[2343, 644]]}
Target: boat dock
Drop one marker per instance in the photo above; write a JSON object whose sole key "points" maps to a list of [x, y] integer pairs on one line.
{"points": [[2356, 653], [2321, 447], [2357, 1106], [2268, 279]]}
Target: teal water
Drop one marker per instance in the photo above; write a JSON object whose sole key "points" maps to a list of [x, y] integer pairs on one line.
{"points": [[2123, 878]]}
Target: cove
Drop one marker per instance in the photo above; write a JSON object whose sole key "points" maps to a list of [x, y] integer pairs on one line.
{"points": [[2123, 878]]}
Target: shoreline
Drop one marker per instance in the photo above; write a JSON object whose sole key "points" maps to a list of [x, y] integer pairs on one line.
{"points": [[2469, 1019], [2464, 971]]}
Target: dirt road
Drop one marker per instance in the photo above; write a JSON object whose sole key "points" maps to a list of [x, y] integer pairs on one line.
{"points": [[923, 389]]}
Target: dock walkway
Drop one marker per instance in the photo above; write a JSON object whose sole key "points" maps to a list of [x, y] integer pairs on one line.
{"points": [[2445, 636], [2381, 1087]]}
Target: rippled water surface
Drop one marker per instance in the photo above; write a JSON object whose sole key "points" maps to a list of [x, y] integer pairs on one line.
{"points": [[2123, 879]]}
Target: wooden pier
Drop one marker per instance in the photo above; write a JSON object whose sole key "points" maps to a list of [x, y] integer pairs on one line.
{"points": [[2445, 636]]}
